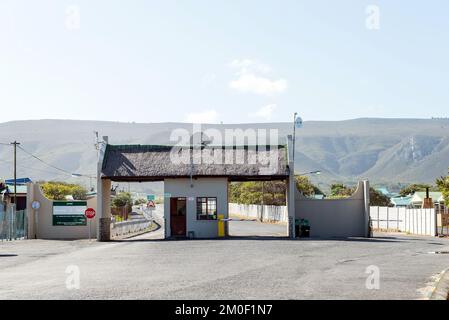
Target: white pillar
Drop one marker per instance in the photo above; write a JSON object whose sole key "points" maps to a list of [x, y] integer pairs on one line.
{"points": [[104, 221], [366, 204], [103, 197], [291, 189], [30, 211]]}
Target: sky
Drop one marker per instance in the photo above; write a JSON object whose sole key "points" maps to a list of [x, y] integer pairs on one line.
{"points": [[227, 61]]}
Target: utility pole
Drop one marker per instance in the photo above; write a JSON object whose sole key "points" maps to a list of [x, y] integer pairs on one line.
{"points": [[15, 144], [294, 135]]}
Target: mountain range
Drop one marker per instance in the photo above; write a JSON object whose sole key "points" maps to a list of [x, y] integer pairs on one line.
{"points": [[386, 151]]}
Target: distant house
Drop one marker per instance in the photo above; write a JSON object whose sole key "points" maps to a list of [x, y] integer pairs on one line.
{"points": [[7, 195], [418, 198], [387, 193], [383, 190], [401, 202]]}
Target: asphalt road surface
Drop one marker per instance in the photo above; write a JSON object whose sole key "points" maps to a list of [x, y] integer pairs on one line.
{"points": [[235, 268], [254, 229]]}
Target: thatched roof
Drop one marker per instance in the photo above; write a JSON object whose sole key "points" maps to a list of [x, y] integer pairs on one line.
{"points": [[153, 162]]}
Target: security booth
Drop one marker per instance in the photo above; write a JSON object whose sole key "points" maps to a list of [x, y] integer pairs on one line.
{"points": [[196, 181]]}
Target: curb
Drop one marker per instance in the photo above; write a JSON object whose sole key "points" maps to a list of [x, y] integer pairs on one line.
{"points": [[128, 236], [441, 291]]}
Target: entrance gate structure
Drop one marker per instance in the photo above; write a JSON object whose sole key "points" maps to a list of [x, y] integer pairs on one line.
{"points": [[196, 181]]}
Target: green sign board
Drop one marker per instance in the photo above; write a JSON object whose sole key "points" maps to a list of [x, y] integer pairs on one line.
{"points": [[150, 197], [69, 213]]}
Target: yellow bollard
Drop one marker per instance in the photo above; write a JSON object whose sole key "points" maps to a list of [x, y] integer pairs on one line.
{"points": [[221, 226]]}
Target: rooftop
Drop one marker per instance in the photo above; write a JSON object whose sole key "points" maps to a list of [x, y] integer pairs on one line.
{"points": [[156, 162], [21, 189], [435, 195]]}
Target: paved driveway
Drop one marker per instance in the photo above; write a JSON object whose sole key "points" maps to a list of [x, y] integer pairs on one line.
{"points": [[254, 228], [221, 269]]}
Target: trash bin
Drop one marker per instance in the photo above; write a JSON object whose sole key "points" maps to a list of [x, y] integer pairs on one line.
{"points": [[302, 228], [297, 227], [305, 231], [305, 228]]}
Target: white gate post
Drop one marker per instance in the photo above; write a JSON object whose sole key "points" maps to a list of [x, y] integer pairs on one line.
{"points": [[388, 218], [378, 218]]}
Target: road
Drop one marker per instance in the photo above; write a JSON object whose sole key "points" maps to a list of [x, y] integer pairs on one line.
{"points": [[235, 268], [254, 229]]}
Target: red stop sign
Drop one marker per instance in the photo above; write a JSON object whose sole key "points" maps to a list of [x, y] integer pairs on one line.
{"points": [[89, 213]]}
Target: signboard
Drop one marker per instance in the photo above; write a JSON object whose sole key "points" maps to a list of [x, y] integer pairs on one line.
{"points": [[89, 213], [35, 205], [298, 122], [150, 197], [69, 213], [151, 205]]}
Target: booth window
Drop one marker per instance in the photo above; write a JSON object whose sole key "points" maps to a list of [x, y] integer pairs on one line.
{"points": [[206, 208]]}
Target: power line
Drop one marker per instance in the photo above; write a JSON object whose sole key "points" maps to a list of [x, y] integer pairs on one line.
{"points": [[27, 168], [15, 144], [37, 158], [52, 166]]}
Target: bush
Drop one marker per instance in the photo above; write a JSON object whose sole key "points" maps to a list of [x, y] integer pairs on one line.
{"points": [[55, 190], [122, 199], [140, 201]]}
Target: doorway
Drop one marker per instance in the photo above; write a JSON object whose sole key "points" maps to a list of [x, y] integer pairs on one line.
{"points": [[178, 210], [265, 216]]}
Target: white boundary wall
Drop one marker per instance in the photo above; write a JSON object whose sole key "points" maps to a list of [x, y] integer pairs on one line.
{"points": [[414, 221], [329, 218], [254, 211]]}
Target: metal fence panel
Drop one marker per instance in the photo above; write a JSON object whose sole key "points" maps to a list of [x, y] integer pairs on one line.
{"points": [[413, 221], [13, 224]]}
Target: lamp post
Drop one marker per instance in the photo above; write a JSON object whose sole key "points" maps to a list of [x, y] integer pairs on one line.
{"points": [[317, 172], [297, 123], [294, 135]]}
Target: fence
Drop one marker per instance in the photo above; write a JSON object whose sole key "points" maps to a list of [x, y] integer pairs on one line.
{"points": [[13, 224], [129, 227], [442, 220], [263, 213], [414, 221]]}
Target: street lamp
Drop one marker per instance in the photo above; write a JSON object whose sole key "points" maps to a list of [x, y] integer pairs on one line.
{"points": [[317, 172], [79, 175], [297, 123]]}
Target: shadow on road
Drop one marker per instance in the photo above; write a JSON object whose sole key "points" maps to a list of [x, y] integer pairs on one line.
{"points": [[276, 238]]}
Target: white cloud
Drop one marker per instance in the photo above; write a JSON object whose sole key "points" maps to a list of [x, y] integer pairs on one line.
{"points": [[258, 85], [207, 116], [248, 65], [250, 80], [265, 112]]}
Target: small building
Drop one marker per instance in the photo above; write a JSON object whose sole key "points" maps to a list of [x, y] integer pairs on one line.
{"points": [[7, 196], [196, 189], [387, 193], [401, 202], [418, 197]]}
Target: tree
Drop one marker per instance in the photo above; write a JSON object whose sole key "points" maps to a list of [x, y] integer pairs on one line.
{"points": [[377, 198], [268, 192], [306, 187], [443, 185], [258, 192], [339, 190], [140, 201], [412, 188], [122, 199], [79, 192], [55, 190]]}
